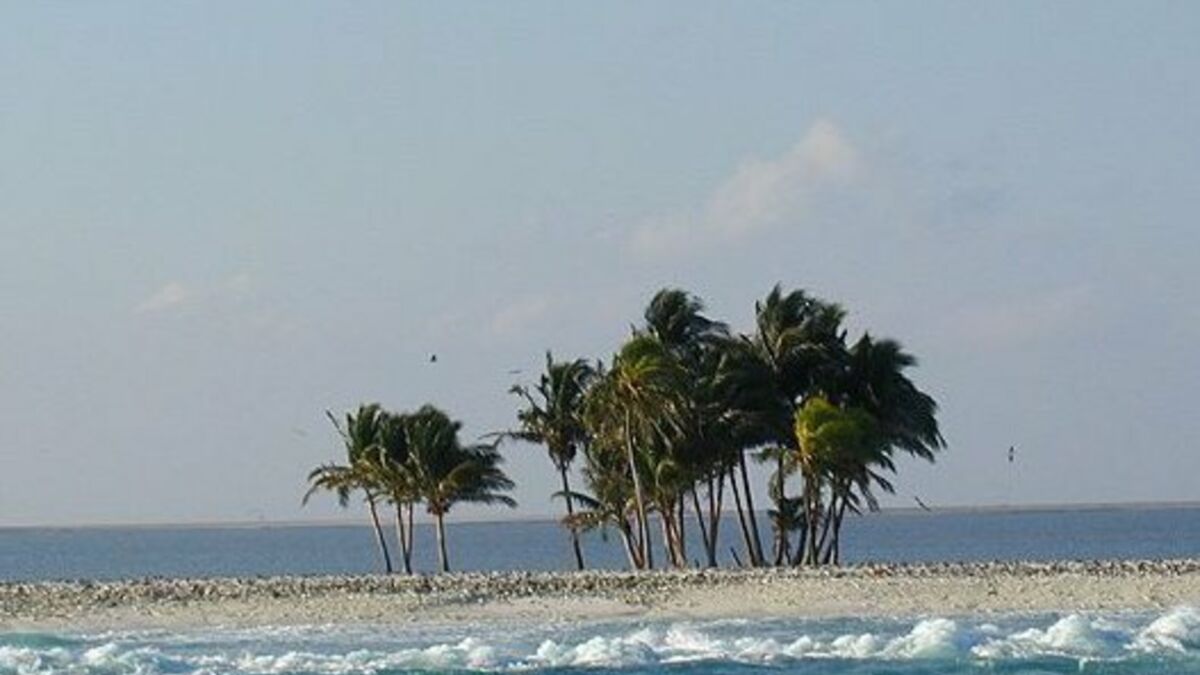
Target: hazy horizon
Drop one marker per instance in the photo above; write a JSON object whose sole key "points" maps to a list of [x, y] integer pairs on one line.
{"points": [[221, 219]]}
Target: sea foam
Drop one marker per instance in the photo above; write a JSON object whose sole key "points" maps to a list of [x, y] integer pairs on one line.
{"points": [[1137, 640]]}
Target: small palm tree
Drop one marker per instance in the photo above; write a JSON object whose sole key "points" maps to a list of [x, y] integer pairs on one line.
{"points": [[553, 417], [834, 447], [443, 472], [610, 503], [360, 438]]}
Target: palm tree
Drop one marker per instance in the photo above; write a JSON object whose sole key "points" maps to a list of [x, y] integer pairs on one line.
{"points": [[360, 438], [393, 477], [553, 417], [874, 381], [800, 342], [632, 407], [837, 448], [695, 455], [443, 472], [611, 501]]}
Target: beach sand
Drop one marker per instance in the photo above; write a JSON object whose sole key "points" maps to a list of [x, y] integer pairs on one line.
{"points": [[876, 590]]}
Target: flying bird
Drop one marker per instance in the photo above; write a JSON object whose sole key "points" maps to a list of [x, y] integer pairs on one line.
{"points": [[1011, 452], [433, 358], [515, 371], [921, 503]]}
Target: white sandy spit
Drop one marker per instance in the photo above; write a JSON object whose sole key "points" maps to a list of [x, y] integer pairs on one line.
{"points": [[871, 590]]}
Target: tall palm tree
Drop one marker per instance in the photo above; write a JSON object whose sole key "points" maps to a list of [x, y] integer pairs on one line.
{"points": [[800, 342], [693, 456], [553, 417], [360, 438], [630, 409], [444, 472]]}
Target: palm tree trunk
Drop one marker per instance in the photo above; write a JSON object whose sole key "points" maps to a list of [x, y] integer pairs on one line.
{"points": [[781, 533], [757, 558], [681, 532], [798, 555], [714, 517], [379, 540], [837, 534], [700, 523], [643, 524], [825, 546], [411, 529], [737, 502], [443, 559], [813, 490], [631, 550], [402, 537], [566, 485], [670, 547]]}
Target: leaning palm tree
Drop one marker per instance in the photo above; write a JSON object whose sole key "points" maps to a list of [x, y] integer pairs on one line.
{"points": [[630, 409], [553, 417], [360, 438], [443, 472], [696, 455]]}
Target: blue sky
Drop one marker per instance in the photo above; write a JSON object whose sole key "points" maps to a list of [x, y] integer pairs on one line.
{"points": [[220, 219]]}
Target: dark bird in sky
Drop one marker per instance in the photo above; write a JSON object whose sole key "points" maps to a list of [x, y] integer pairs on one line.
{"points": [[1011, 453], [433, 358], [921, 503], [515, 371]]}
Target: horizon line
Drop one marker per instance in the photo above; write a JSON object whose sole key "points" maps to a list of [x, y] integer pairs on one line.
{"points": [[348, 522]]}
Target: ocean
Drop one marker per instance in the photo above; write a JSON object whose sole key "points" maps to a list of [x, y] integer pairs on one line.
{"points": [[903, 536], [1107, 642]]}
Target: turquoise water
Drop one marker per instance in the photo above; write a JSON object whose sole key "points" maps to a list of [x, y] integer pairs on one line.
{"points": [[108, 553], [1072, 643]]}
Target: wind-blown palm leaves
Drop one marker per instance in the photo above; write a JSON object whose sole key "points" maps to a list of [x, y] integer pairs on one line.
{"points": [[408, 459], [665, 427], [698, 453], [443, 472], [631, 410], [553, 417], [360, 436]]}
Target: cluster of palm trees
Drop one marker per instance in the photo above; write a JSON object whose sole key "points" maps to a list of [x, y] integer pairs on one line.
{"points": [[668, 425], [406, 459], [665, 431]]}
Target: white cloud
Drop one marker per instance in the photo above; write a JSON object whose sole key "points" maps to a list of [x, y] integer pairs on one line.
{"points": [[173, 294], [760, 193], [176, 294]]}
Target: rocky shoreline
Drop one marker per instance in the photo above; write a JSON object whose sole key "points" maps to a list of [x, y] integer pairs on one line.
{"points": [[877, 588]]}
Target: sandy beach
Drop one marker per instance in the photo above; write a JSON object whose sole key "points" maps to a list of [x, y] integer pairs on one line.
{"points": [[876, 590]]}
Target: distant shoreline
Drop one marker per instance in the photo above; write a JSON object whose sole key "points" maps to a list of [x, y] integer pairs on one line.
{"points": [[866, 590], [349, 522]]}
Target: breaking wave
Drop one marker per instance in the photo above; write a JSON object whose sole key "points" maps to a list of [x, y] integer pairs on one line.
{"points": [[1064, 643]]}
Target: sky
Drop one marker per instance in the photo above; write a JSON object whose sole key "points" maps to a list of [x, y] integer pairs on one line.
{"points": [[220, 219]]}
